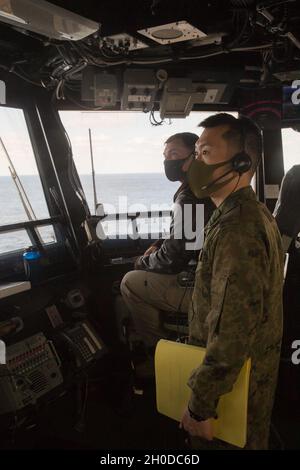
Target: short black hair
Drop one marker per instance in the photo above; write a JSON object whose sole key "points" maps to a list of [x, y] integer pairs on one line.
{"points": [[188, 138], [242, 131]]}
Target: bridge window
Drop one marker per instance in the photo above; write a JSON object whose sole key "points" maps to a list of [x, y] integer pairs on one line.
{"points": [[128, 160], [21, 193], [291, 144]]}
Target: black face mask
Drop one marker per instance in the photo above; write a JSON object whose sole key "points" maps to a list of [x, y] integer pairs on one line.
{"points": [[173, 169]]}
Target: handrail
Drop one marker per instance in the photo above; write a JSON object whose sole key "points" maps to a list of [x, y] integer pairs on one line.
{"points": [[134, 215], [31, 227], [30, 224]]}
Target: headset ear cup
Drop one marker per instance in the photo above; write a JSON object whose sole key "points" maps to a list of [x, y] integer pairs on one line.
{"points": [[241, 162]]}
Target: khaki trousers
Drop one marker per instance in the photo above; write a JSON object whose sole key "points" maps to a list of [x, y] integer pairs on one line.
{"points": [[147, 295]]}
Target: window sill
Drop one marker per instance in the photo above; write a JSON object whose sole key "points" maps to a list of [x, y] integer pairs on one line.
{"points": [[13, 288]]}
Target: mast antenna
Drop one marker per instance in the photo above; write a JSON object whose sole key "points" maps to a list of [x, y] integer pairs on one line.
{"points": [[93, 171]]}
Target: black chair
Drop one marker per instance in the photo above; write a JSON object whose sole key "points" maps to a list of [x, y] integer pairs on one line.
{"points": [[176, 323], [287, 210]]}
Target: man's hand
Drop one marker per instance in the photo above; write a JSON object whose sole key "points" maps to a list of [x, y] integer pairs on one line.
{"points": [[148, 252], [202, 429], [137, 262], [151, 250]]}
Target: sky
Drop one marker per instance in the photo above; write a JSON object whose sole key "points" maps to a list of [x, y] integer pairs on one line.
{"points": [[123, 142]]}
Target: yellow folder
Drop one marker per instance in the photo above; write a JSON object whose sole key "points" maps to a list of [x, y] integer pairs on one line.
{"points": [[174, 363]]}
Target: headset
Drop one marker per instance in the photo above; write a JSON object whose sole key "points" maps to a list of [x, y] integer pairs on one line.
{"points": [[241, 162]]}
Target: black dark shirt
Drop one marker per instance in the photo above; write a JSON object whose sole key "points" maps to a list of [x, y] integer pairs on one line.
{"points": [[172, 256]]}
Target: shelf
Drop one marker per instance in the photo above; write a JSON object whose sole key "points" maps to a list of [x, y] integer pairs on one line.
{"points": [[13, 288]]}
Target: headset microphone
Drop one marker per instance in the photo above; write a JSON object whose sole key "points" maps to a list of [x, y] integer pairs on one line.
{"points": [[200, 174], [217, 179], [241, 163]]}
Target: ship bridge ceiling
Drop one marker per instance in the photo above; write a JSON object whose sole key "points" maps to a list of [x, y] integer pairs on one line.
{"points": [[243, 42]]}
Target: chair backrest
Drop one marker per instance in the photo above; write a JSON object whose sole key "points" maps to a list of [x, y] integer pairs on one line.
{"points": [[287, 209]]}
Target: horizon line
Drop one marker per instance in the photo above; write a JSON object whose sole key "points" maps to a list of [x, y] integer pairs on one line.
{"points": [[100, 174]]}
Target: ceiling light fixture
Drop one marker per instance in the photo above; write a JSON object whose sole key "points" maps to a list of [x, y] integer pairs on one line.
{"points": [[173, 32], [46, 19]]}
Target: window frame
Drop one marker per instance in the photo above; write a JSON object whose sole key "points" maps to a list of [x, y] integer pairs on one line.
{"points": [[55, 220], [31, 226]]}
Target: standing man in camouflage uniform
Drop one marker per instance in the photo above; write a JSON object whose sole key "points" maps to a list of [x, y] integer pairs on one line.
{"points": [[236, 308]]}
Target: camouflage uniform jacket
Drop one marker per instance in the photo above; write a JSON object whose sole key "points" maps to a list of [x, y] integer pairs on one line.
{"points": [[236, 309]]}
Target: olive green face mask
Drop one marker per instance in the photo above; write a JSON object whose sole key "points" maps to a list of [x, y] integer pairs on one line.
{"points": [[200, 178]]}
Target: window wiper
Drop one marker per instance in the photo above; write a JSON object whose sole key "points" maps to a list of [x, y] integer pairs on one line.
{"points": [[21, 190]]}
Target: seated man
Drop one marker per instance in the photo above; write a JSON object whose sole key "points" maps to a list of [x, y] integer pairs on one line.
{"points": [[153, 286]]}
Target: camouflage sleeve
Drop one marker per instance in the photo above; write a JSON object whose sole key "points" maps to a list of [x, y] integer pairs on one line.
{"points": [[238, 282]]}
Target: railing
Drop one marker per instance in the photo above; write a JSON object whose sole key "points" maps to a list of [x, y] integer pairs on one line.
{"points": [[31, 228], [133, 216]]}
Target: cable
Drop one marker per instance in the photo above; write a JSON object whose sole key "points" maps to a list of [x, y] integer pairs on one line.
{"points": [[274, 4], [237, 183], [88, 59], [252, 48], [180, 305], [105, 60], [153, 120], [224, 50], [10, 70], [239, 37], [227, 51], [77, 68], [59, 94]]}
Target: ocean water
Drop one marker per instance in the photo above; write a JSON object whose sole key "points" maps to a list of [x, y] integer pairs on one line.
{"points": [[117, 192]]}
